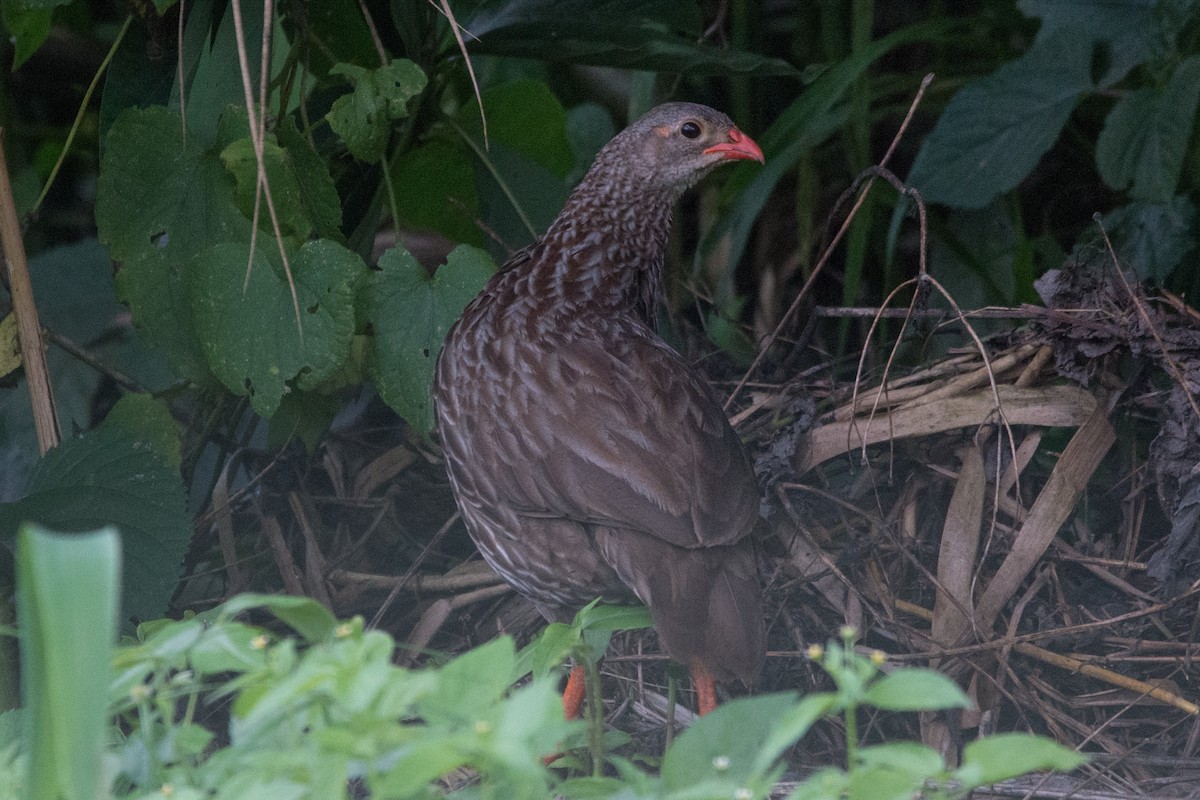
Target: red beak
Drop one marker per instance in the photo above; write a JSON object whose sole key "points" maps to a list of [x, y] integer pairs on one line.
{"points": [[739, 146]]}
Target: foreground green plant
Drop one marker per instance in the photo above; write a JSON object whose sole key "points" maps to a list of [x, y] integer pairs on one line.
{"points": [[736, 751], [212, 706]]}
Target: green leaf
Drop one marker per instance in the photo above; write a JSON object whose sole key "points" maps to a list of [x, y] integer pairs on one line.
{"points": [[134, 79], [910, 758], [304, 615], [161, 200], [1145, 137], [216, 84], [435, 190], [725, 744], [417, 764], [1152, 239], [915, 689], [470, 683], [794, 725], [147, 421], [109, 477], [994, 130], [67, 607], [550, 649], [660, 35], [1009, 755], [303, 415], [882, 782], [823, 784], [589, 127], [240, 160], [608, 617], [339, 26], [230, 647], [525, 116], [411, 312], [363, 117], [318, 195], [249, 327], [27, 25], [1123, 24]]}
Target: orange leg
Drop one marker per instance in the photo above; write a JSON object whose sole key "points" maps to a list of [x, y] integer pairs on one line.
{"points": [[573, 694], [572, 701], [706, 687]]}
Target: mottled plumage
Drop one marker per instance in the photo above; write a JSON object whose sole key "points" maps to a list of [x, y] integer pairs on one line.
{"points": [[588, 457]]}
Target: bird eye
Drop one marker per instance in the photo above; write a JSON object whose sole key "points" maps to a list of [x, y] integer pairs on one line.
{"points": [[690, 129]]}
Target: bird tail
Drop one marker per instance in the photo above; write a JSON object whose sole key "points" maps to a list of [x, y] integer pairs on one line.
{"points": [[706, 602]]}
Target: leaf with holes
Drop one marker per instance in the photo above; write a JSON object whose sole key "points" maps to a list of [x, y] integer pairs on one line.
{"points": [[251, 338], [411, 311], [160, 200], [363, 118]]}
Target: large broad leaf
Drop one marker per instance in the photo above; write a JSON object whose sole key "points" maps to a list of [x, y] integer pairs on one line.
{"points": [[519, 177], [251, 337], [995, 129], [1125, 25], [75, 288], [1145, 137], [435, 190], [411, 311], [660, 35], [160, 200], [112, 476], [527, 117]]}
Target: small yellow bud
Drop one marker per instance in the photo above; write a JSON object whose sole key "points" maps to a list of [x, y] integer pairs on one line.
{"points": [[878, 657], [343, 630], [815, 651], [259, 642], [139, 692]]}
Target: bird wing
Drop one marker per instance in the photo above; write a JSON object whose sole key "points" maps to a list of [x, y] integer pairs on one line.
{"points": [[615, 428]]}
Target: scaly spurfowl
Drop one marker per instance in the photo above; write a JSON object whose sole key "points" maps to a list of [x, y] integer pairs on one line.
{"points": [[588, 458]]}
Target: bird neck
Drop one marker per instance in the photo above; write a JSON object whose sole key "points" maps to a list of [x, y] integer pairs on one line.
{"points": [[604, 253]]}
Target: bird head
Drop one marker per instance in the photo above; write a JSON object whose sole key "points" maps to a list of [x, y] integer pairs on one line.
{"points": [[675, 144]]}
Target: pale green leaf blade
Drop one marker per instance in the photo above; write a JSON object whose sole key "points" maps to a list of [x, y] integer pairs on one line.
{"points": [[67, 590]]}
